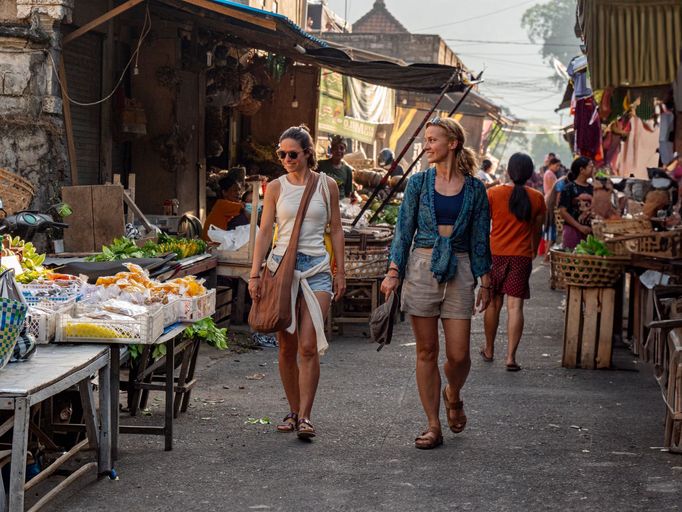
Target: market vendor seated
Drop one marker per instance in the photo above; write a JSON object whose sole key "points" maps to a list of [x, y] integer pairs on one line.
{"points": [[228, 212], [337, 169]]}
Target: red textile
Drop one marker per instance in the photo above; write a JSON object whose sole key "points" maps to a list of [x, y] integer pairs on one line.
{"points": [[510, 275], [587, 128]]}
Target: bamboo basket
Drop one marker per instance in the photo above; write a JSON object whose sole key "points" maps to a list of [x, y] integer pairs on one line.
{"points": [[16, 192], [618, 233], [366, 264], [586, 270], [558, 222], [663, 244]]}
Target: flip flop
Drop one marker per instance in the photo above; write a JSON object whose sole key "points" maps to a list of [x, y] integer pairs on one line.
{"points": [[485, 358], [513, 367]]}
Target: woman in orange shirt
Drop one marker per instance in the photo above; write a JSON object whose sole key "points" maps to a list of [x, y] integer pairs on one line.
{"points": [[517, 213]]}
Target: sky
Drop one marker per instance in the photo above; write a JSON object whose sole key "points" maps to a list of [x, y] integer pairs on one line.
{"points": [[516, 75]]}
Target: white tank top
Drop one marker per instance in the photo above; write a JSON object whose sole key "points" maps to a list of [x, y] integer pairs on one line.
{"points": [[311, 239]]}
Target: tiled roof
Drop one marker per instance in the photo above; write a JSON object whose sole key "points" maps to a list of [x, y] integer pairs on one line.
{"points": [[378, 21]]}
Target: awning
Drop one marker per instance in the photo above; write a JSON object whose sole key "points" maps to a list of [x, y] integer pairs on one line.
{"points": [[633, 43], [426, 78], [276, 33]]}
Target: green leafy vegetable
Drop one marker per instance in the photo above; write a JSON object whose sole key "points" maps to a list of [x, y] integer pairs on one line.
{"points": [[207, 330], [592, 246]]}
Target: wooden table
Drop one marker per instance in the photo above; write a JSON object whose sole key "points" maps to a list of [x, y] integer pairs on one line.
{"points": [[141, 382], [53, 369]]}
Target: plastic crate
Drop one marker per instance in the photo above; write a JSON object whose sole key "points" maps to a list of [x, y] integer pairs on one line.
{"points": [[171, 312], [51, 303], [53, 291], [42, 324], [197, 308], [143, 330]]}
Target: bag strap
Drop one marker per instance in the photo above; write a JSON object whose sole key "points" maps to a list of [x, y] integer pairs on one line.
{"points": [[325, 194], [300, 215]]}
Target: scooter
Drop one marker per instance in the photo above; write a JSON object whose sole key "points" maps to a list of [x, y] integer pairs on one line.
{"points": [[26, 224]]}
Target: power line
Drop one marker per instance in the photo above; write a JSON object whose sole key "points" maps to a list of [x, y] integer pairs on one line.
{"points": [[479, 16], [482, 41]]}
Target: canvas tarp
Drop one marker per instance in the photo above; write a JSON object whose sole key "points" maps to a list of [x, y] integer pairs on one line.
{"points": [[632, 43]]}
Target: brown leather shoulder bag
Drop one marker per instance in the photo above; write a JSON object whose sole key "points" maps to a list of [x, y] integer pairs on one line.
{"points": [[272, 312]]}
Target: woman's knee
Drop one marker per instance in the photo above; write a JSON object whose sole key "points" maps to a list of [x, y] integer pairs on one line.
{"points": [[307, 350], [428, 354], [288, 345], [458, 357]]}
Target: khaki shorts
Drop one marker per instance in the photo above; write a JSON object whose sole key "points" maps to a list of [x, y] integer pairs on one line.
{"points": [[423, 295]]}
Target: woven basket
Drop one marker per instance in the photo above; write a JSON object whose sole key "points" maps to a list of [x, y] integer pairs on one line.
{"points": [[367, 263], [587, 270], [612, 232], [16, 192], [664, 244], [558, 221]]}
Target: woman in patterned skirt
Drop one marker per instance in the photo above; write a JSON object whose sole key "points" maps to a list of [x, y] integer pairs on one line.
{"points": [[517, 212]]}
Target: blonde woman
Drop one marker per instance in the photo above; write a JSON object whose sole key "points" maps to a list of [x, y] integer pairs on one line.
{"points": [[441, 248], [301, 344]]}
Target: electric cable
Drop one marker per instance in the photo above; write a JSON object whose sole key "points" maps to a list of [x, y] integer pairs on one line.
{"points": [[493, 13], [146, 28]]}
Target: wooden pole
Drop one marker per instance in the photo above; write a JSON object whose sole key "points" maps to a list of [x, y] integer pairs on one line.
{"points": [[68, 122], [99, 20]]}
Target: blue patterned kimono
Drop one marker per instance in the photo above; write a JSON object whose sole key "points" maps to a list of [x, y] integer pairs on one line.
{"points": [[417, 227]]}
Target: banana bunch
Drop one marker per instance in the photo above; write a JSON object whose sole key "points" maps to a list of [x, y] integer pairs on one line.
{"points": [[30, 260], [184, 248]]}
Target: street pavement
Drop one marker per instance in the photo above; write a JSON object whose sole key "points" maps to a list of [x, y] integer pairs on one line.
{"points": [[545, 438]]}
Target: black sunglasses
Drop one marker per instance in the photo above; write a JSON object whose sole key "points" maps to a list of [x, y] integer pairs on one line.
{"points": [[293, 155]]}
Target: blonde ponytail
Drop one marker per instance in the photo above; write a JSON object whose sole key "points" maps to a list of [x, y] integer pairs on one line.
{"points": [[466, 161]]}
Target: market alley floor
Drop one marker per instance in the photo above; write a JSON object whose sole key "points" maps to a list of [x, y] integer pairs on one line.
{"points": [[544, 438]]}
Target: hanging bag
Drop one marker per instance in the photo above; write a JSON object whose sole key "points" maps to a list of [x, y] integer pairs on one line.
{"points": [[13, 311], [272, 312]]}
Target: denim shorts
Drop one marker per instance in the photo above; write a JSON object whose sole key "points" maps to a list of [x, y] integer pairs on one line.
{"points": [[321, 282]]}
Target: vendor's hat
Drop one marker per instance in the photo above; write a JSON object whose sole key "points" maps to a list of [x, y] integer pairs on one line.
{"points": [[381, 321]]}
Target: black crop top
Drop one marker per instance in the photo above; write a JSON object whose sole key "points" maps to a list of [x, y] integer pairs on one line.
{"points": [[447, 208]]}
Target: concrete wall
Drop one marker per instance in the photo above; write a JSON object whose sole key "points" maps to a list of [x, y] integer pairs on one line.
{"points": [[31, 122], [412, 48]]}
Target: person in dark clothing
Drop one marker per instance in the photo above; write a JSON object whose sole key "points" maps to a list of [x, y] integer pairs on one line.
{"points": [[575, 202], [337, 169]]}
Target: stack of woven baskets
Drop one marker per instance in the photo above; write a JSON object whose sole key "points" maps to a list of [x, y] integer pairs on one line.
{"points": [[16, 192]]}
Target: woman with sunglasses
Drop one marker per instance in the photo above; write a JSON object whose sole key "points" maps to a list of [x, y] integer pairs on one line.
{"points": [[299, 363], [441, 247]]}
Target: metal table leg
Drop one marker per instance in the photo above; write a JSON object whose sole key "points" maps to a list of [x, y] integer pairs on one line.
{"points": [[115, 376]]}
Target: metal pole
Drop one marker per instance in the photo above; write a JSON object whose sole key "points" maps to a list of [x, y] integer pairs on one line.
{"points": [[384, 180], [409, 169]]}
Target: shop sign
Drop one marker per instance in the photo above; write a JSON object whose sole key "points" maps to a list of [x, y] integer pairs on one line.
{"points": [[331, 116]]}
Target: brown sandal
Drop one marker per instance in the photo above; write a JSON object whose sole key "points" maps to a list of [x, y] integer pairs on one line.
{"points": [[456, 426], [429, 439], [288, 423], [305, 429]]}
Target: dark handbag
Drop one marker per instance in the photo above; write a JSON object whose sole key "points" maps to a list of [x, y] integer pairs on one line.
{"points": [[272, 312]]}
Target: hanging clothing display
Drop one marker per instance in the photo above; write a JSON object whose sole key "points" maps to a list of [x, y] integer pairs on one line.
{"points": [[666, 148], [587, 128], [640, 149], [367, 102], [577, 70]]}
